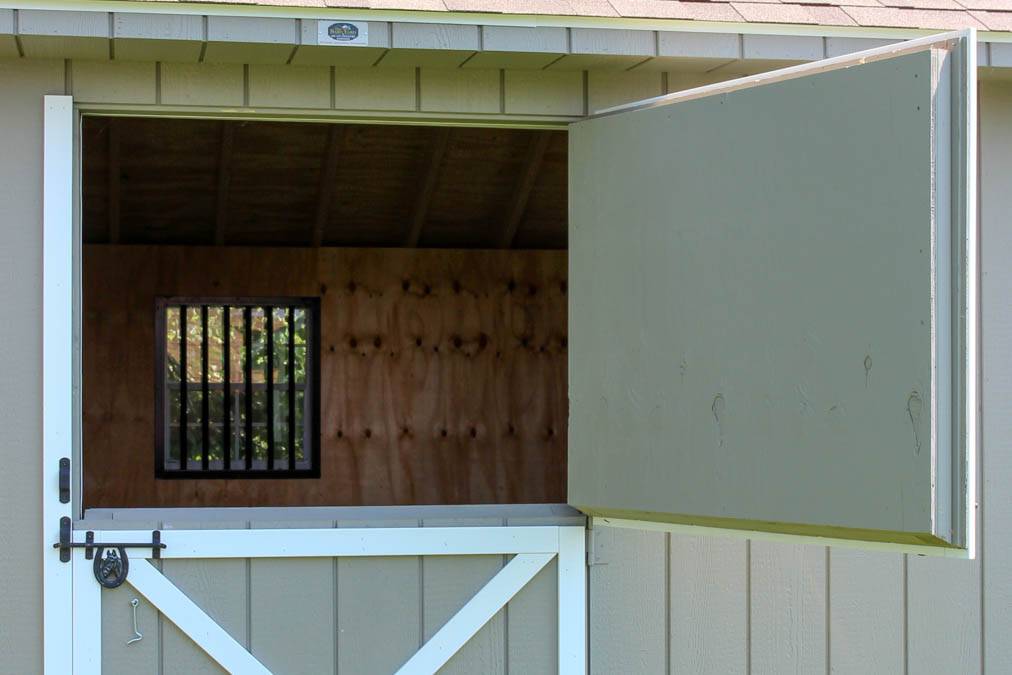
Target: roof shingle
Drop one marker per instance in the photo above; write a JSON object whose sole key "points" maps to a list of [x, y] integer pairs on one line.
{"points": [[994, 15]]}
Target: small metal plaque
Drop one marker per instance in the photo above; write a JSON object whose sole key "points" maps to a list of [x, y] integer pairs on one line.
{"points": [[342, 33]]}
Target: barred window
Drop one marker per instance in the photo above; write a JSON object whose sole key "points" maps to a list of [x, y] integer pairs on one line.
{"points": [[238, 388]]}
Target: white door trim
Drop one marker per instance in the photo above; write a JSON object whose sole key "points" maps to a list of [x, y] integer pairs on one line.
{"points": [[478, 611], [533, 548], [350, 542], [57, 372]]}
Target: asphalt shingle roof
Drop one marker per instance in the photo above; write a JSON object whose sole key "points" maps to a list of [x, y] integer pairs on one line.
{"points": [[995, 15]]}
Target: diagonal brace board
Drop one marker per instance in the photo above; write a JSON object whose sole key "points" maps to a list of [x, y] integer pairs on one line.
{"points": [[192, 620], [476, 613]]}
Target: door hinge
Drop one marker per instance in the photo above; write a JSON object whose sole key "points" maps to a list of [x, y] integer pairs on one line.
{"points": [[592, 558], [64, 480], [111, 562]]}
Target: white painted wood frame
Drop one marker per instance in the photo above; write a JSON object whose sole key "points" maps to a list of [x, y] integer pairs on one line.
{"points": [[57, 372], [533, 548]]}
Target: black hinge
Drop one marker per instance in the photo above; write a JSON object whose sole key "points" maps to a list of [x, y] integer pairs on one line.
{"points": [[64, 480], [111, 562]]}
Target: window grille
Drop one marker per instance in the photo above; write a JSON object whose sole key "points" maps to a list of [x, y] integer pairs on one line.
{"points": [[238, 388]]}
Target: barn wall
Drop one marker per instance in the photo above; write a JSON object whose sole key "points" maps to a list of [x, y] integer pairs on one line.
{"points": [[727, 605], [22, 86], [737, 606], [443, 373]]}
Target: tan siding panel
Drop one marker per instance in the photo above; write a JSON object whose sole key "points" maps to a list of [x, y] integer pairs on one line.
{"points": [[22, 85], [943, 615], [532, 623], [385, 635], [627, 603], [866, 612], [788, 608], [448, 583], [544, 92], [114, 81], [709, 613], [202, 84], [374, 89], [289, 86], [996, 243], [291, 603], [219, 588], [606, 89], [460, 90]]}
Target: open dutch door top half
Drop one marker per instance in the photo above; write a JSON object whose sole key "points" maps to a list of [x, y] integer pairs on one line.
{"points": [[773, 303]]}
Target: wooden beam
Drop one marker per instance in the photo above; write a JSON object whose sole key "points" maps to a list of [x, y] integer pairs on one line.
{"points": [[113, 210], [436, 153], [525, 183], [224, 179], [336, 139]]}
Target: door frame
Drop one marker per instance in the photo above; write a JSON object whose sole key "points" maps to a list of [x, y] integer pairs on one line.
{"points": [[59, 284], [72, 633]]}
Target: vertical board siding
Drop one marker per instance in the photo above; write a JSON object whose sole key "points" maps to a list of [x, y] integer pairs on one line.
{"points": [[202, 84], [393, 88], [628, 604], [866, 612], [381, 639], [220, 588], [787, 608], [996, 355], [606, 88], [375, 89], [114, 82], [448, 582], [709, 605], [291, 611], [532, 626], [459, 90], [289, 86], [22, 86], [946, 641]]}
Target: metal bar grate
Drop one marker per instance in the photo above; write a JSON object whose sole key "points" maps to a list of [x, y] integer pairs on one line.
{"points": [[205, 404], [184, 395], [247, 427], [269, 375], [291, 388], [248, 379], [226, 378]]}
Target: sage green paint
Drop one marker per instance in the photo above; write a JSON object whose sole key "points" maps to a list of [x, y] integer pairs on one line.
{"points": [[750, 304]]}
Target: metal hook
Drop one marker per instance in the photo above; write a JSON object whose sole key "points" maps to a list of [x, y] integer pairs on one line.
{"points": [[137, 634]]}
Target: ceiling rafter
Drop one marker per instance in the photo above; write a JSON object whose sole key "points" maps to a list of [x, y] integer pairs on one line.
{"points": [[224, 180], [337, 139], [525, 183], [437, 151], [114, 177]]}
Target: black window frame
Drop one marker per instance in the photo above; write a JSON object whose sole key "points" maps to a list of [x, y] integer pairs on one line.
{"points": [[311, 389]]}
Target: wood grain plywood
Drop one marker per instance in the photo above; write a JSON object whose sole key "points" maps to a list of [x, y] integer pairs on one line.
{"points": [[443, 373]]}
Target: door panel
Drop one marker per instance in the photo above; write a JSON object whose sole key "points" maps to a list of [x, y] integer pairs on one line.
{"points": [[768, 280]]}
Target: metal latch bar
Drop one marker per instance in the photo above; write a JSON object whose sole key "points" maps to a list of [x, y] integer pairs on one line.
{"points": [[111, 564]]}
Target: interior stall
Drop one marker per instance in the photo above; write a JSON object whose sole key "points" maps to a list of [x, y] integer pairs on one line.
{"points": [[308, 314]]}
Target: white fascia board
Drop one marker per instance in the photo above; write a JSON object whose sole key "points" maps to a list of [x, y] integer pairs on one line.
{"points": [[487, 19]]}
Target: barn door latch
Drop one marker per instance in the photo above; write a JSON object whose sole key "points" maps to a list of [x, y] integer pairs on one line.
{"points": [[111, 561]]}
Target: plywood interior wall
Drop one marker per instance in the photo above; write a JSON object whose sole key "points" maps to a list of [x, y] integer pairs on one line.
{"points": [[443, 373]]}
